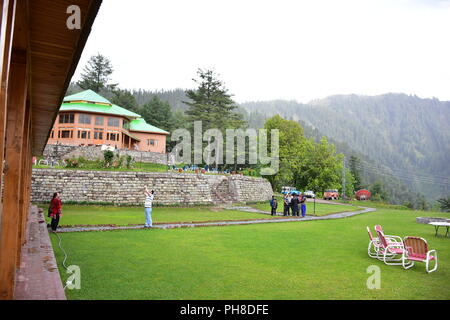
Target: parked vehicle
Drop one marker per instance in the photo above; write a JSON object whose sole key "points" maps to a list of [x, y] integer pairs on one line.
{"points": [[363, 194], [331, 194], [309, 194], [286, 190]]}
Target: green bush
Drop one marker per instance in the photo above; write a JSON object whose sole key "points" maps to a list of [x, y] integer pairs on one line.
{"points": [[129, 160], [108, 156], [73, 163]]}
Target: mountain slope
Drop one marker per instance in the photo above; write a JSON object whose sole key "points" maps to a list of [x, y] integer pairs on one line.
{"points": [[406, 135]]}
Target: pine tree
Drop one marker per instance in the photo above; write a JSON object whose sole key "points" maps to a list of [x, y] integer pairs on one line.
{"points": [[444, 204], [158, 113], [212, 104], [96, 74], [355, 165], [125, 99]]}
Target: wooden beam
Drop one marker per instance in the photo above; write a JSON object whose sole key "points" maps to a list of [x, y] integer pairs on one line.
{"points": [[24, 181], [7, 22], [16, 103]]}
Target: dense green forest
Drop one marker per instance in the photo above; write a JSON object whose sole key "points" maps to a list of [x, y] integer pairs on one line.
{"points": [[399, 137]]}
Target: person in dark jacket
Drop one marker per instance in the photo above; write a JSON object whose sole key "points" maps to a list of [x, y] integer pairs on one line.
{"points": [[295, 205], [274, 206], [56, 211]]}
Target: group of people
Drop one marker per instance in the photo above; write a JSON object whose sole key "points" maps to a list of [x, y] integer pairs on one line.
{"points": [[292, 205]]}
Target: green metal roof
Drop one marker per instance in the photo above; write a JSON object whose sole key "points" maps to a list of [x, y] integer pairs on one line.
{"points": [[99, 108], [141, 125], [95, 103], [87, 95]]}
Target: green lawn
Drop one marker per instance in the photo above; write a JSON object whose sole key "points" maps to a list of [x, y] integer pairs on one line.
{"points": [[101, 215], [321, 208], [107, 215], [299, 260]]}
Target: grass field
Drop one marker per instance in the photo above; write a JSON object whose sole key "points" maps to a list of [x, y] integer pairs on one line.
{"points": [[106, 215], [299, 260], [101, 215]]}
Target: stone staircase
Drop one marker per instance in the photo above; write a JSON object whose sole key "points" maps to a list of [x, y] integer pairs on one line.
{"points": [[221, 192]]}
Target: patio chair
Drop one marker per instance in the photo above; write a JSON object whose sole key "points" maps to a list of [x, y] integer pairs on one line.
{"points": [[391, 253], [416, 249], [391, 238], [374, 245]]}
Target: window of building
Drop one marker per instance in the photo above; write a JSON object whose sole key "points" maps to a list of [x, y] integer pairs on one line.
{"points": [[126, 124], [112, 136], [52, 134], [98, 134], [84, 135], [66, 134], [113, 122], [99, 121], [67, 118], [84, 119], [152, 142]]}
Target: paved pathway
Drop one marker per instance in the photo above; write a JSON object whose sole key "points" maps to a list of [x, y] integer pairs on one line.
{"points": [[38, 277], [223, 223]]}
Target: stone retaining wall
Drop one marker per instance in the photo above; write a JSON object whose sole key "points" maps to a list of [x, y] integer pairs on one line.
{"points": [[95, 153], [126, 188], [427, 220]]}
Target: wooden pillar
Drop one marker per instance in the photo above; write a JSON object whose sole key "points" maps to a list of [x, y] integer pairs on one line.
{"points": [[28, 171], [23, 183], [14, 151], [7, 21]]}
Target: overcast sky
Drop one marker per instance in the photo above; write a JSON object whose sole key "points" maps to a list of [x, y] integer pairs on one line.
{"points": [[278, 49]]}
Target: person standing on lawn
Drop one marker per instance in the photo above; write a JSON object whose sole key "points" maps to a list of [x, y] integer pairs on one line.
{"points": [[295, 203], [55, 211], [273, 206], [287, 204], [303, 207], [148, 208]]}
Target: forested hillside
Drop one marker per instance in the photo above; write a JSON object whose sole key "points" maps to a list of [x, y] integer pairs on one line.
{"points": [[404, 136], [403, 141]]}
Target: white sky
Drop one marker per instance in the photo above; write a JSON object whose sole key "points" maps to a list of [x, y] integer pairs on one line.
{"points": [[278, 49]]}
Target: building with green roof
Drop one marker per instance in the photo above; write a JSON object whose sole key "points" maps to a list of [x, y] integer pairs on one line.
{"points": [[87, 118]]}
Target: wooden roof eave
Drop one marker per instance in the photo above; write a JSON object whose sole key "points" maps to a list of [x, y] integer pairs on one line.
{"points": [[50, 81]]}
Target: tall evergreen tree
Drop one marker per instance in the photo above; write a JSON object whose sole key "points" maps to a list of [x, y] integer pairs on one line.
{"points": [[96, 74], [444, 204], [355, 165], [212, 104], [158, 113], [125, 99]]}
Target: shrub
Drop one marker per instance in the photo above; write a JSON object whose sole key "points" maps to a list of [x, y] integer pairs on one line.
{"points": [[72, 163], [129, 161], [108, 155]]}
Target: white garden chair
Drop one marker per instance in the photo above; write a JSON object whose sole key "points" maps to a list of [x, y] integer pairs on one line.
{"points": [[374, 243], [391, 253]]}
